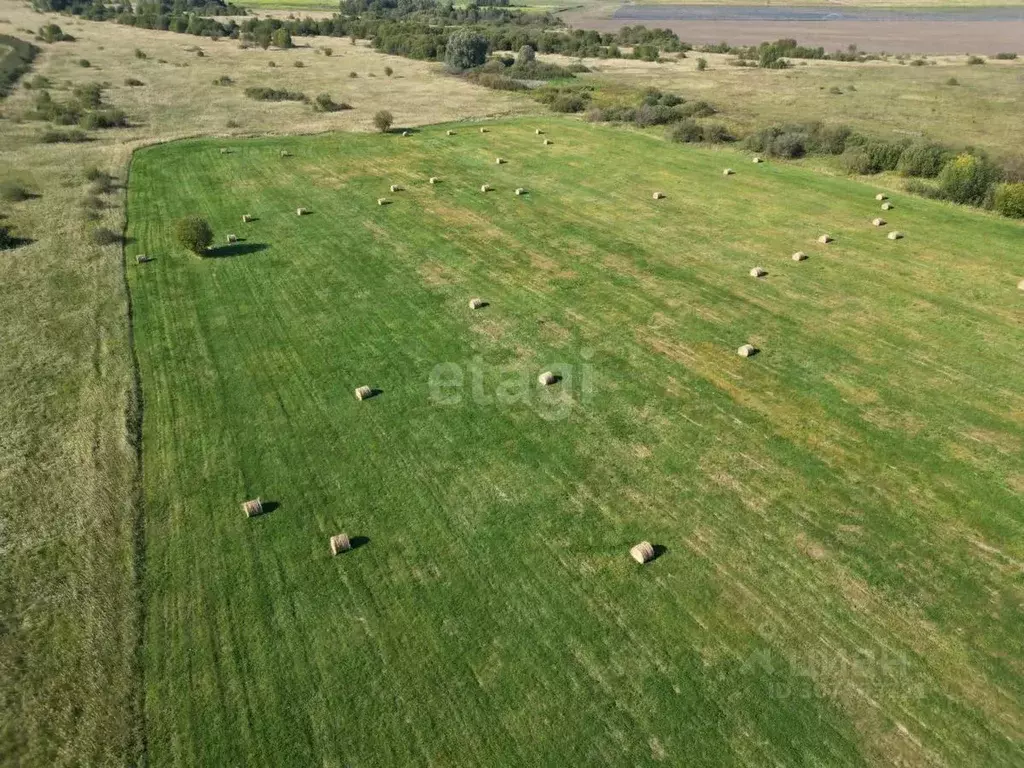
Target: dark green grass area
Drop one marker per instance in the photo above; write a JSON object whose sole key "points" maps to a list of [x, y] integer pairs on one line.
{"points": [[840, 515]]}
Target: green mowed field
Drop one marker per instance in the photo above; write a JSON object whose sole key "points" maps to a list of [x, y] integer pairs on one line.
{"points": [[839, 519]]}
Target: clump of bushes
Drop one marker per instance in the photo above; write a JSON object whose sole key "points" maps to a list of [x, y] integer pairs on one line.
{"points": [[223, 80], [952, 81], [52, 33], [566, 99], [495, 82], [132, 82], [64, 137], [84, 63], [922, 159], [967, 179], [13, 192], [260, 93], [383, 121], [974, 61], [1009, 199], [324, 103], [1005, 56], [799, 139], [702, 64], [104, 236], [104, 118], [194, 234], [140, 54]]}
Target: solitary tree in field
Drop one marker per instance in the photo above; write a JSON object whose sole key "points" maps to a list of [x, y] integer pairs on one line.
{"points": [[525, 56], [466, 49], [383, 121], [194, 233]]}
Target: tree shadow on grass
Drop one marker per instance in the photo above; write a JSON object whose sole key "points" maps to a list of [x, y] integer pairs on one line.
{"points": [[234, 249]]}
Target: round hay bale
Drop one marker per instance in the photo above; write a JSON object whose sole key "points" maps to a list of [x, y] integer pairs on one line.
{"points": [[878, 222], [450, 133], [799, 256], [285, 153], [340, 543], [757, 160], [520, 191], [1020, 285], [895, 235], [395, 188], [642, 552], [485, 187], [246, 218], [224, 150], [658, 195], [300, 211], [433, 179], [483, 130], [746, 350], [382, 201], [728, 172], [499, 161], [886, 206], [881, 196], [253, 507], [538, 131], [547, 142], [232, 238], [141, 258], [547, 378], [362, 393], [757, 272], [405, 133], [825, 239], [476, 303]]}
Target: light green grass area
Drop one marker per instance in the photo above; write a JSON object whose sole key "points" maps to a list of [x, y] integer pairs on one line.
{"points": [[841, 515]]}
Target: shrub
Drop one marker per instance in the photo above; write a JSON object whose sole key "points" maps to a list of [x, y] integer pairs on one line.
{"points": [[686, 132], [51, 33], [695, 109], [716, 133], [389, 71], [232, 124], [791, 145], [133, 82], [952, 81], [1005, 56], [324, 103], [973, 61], [93, 174], [647, 115], [65, 137], [84, 63], [966, 179], [872, 157], [282, 37], [194, 233], [835, 90], [102, 185], [260, 93], [383, 121], [353, 74], [569, 103], [13, 192], [465, 49], [828, 139], [496, 82], [104, 118], [328, 51], [298, 64], [922, 159], [223, 80], [104, 236], [918, 63], [771, 58], [140, 54], [702, 64], [526, 55], [1009, 200], [39, 82]]}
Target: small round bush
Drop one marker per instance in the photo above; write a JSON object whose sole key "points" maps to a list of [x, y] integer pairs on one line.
{"points": [[952, 81], [13, 192], [716, 133], [702, 64], [104, 236], [194, 233], [389, 71], [686, 132], [328, 51], [526, 55], [353, 74], [298, 64], [140, 54], [568, 103], [967, 179], [922, 159], [84, 63], [383, 121], [133, 82], [1009, 200], [973, 61]]}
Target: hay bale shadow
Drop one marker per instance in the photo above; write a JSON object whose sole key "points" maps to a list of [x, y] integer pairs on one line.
{"points": [[270, 506], [235, 249], [374, 392], [359, 541], [659, 550], [408, 131]]}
